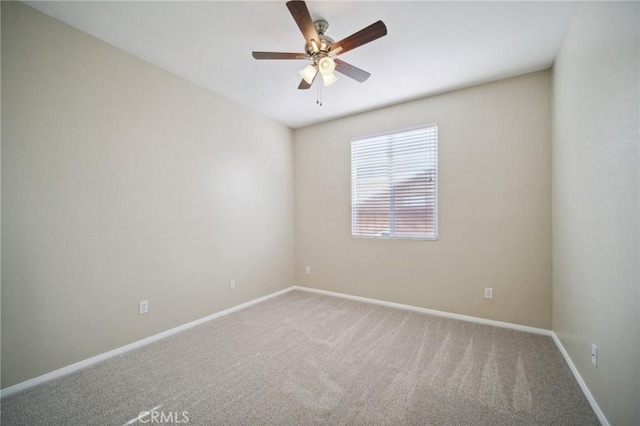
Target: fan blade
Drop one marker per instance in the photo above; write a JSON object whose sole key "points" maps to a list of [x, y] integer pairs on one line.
{"points": [[364, 36], [304, 85], [278, 55], [302, 17], [350, 71]]}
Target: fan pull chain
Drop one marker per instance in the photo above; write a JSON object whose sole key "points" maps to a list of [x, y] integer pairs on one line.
{"points": [[319, 95]]}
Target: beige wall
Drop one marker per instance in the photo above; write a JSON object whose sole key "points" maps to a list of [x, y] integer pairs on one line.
{"points": [[494, 206], [122, 182], [595, 203]]}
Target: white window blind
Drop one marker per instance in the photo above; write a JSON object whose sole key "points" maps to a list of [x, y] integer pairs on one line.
{"points": [[394, 184]]}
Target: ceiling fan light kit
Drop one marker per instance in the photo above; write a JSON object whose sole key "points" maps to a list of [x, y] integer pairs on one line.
{"points": [[329, 79], [309, 73], [326, 65], [322, 50]]}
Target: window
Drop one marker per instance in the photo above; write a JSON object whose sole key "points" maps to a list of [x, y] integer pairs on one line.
{"points": [[394, 184]]}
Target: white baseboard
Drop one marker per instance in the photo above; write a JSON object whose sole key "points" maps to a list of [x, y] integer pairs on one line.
{"points": [[574, 370], [431, 311], [583, 385], [87, 362]]}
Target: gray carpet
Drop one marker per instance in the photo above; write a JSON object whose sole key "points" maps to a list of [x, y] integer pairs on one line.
{"points": [[304, 358]]}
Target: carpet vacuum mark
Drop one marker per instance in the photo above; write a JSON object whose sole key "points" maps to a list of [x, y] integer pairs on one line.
{"points": [[308, 359]]}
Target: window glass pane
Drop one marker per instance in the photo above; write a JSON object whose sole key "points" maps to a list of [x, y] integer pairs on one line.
{"points": [[394, 184]]}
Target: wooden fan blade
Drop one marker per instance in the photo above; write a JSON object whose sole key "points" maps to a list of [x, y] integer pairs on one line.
{"points": [[302, 17], [278, 55], [349, 70], [304, 85], [364, 36]]}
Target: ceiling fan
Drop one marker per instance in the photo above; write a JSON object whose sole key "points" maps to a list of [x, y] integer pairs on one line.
{"points": [[322, 50]]}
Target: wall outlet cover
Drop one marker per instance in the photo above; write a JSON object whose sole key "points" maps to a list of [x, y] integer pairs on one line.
{"points": [[488, 293]]}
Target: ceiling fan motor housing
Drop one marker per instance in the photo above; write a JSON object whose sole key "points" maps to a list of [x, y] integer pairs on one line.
{"points": [[325, 42]]}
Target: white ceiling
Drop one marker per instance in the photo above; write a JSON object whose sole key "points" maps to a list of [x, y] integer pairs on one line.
{"points": [[431, 47]]}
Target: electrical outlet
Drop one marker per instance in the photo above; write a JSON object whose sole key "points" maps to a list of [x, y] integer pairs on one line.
{"points": [[307, 269], [594, 354], [143, 307], [232, 285], [488, 293]]}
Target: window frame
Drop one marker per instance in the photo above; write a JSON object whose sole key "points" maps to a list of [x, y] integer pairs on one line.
{"points": [[436, 209]]}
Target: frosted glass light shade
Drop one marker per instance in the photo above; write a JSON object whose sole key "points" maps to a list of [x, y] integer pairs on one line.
{"points": [[309, 73], [326, 66], [329, 79]]}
